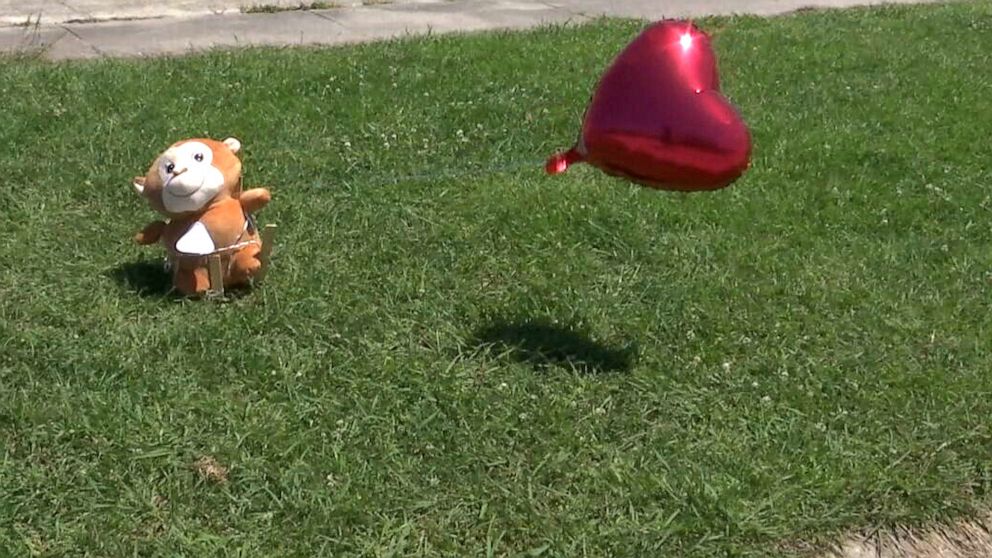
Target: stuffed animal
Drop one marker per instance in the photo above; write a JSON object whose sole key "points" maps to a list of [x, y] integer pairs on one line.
{"points": [[196, 183]]}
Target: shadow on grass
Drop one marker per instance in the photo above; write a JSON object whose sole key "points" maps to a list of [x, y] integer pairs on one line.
{"points": [[544, 344], [144, 277], [148, 278]]}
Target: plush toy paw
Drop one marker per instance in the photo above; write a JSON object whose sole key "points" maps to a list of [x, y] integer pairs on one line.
{"points": [[150, 234], [193, 283], [254, 199], [245, 264]]}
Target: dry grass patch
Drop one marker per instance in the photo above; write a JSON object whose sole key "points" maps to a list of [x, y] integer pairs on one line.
{"points": [[962, 539], [209, 469]]}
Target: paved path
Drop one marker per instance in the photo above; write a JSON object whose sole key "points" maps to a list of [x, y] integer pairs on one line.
{"points": [[71, 29]]}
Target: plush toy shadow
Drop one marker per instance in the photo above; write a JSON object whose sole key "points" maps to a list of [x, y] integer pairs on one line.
{"points": [[149, 278], [544, 344], [144, 277]]}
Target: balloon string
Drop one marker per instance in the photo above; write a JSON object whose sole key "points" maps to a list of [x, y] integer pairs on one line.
{"points": [[454, 173]]}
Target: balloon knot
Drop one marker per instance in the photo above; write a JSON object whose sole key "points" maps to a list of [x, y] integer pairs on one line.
{"points": [[559, 162]]}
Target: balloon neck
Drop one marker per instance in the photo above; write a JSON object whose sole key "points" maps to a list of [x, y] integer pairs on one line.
{"points": [[559, 162]]}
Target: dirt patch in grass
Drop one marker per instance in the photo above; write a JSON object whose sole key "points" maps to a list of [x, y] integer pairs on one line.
{"points": [[210, 469]]}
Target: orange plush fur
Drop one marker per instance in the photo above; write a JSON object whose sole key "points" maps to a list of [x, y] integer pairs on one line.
{"points": [[196, 183]]}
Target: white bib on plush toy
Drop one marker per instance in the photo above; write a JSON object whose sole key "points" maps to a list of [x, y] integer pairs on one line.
{"points": [[196, 241]]}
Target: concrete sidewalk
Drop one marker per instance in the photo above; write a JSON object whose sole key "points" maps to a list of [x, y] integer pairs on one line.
{"points": [[74, 29]]}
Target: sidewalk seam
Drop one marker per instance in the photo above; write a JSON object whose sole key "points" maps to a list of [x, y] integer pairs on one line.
{"points": [[69, 30], [66, 5], [325, 17]]}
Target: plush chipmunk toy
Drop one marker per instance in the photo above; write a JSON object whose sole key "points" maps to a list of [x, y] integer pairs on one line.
{"points": [[196, 183]]}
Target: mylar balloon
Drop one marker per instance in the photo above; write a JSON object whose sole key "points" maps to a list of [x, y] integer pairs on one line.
{"points": [[658, 118]]}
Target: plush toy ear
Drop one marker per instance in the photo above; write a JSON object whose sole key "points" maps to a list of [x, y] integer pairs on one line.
{"points": [[233, 144], [138, 184]]}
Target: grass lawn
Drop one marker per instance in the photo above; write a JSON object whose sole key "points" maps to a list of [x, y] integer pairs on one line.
{"points": [[452, 360]]}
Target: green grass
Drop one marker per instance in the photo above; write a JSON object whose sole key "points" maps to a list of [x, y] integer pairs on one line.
{"points": [[491, 363]]}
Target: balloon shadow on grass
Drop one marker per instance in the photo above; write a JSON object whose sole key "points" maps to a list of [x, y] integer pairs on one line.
{"points": [[544, 344]]}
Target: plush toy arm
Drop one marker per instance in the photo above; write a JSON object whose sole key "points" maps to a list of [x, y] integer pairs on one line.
{"points": [[254, 199], [151, 233]]}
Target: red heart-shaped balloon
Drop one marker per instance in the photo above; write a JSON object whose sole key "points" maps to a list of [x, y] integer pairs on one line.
{"points": [[658, 118]]}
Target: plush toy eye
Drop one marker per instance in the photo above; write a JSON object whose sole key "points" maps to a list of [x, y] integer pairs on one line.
{"points": [[198, 157], [170, 167]]}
